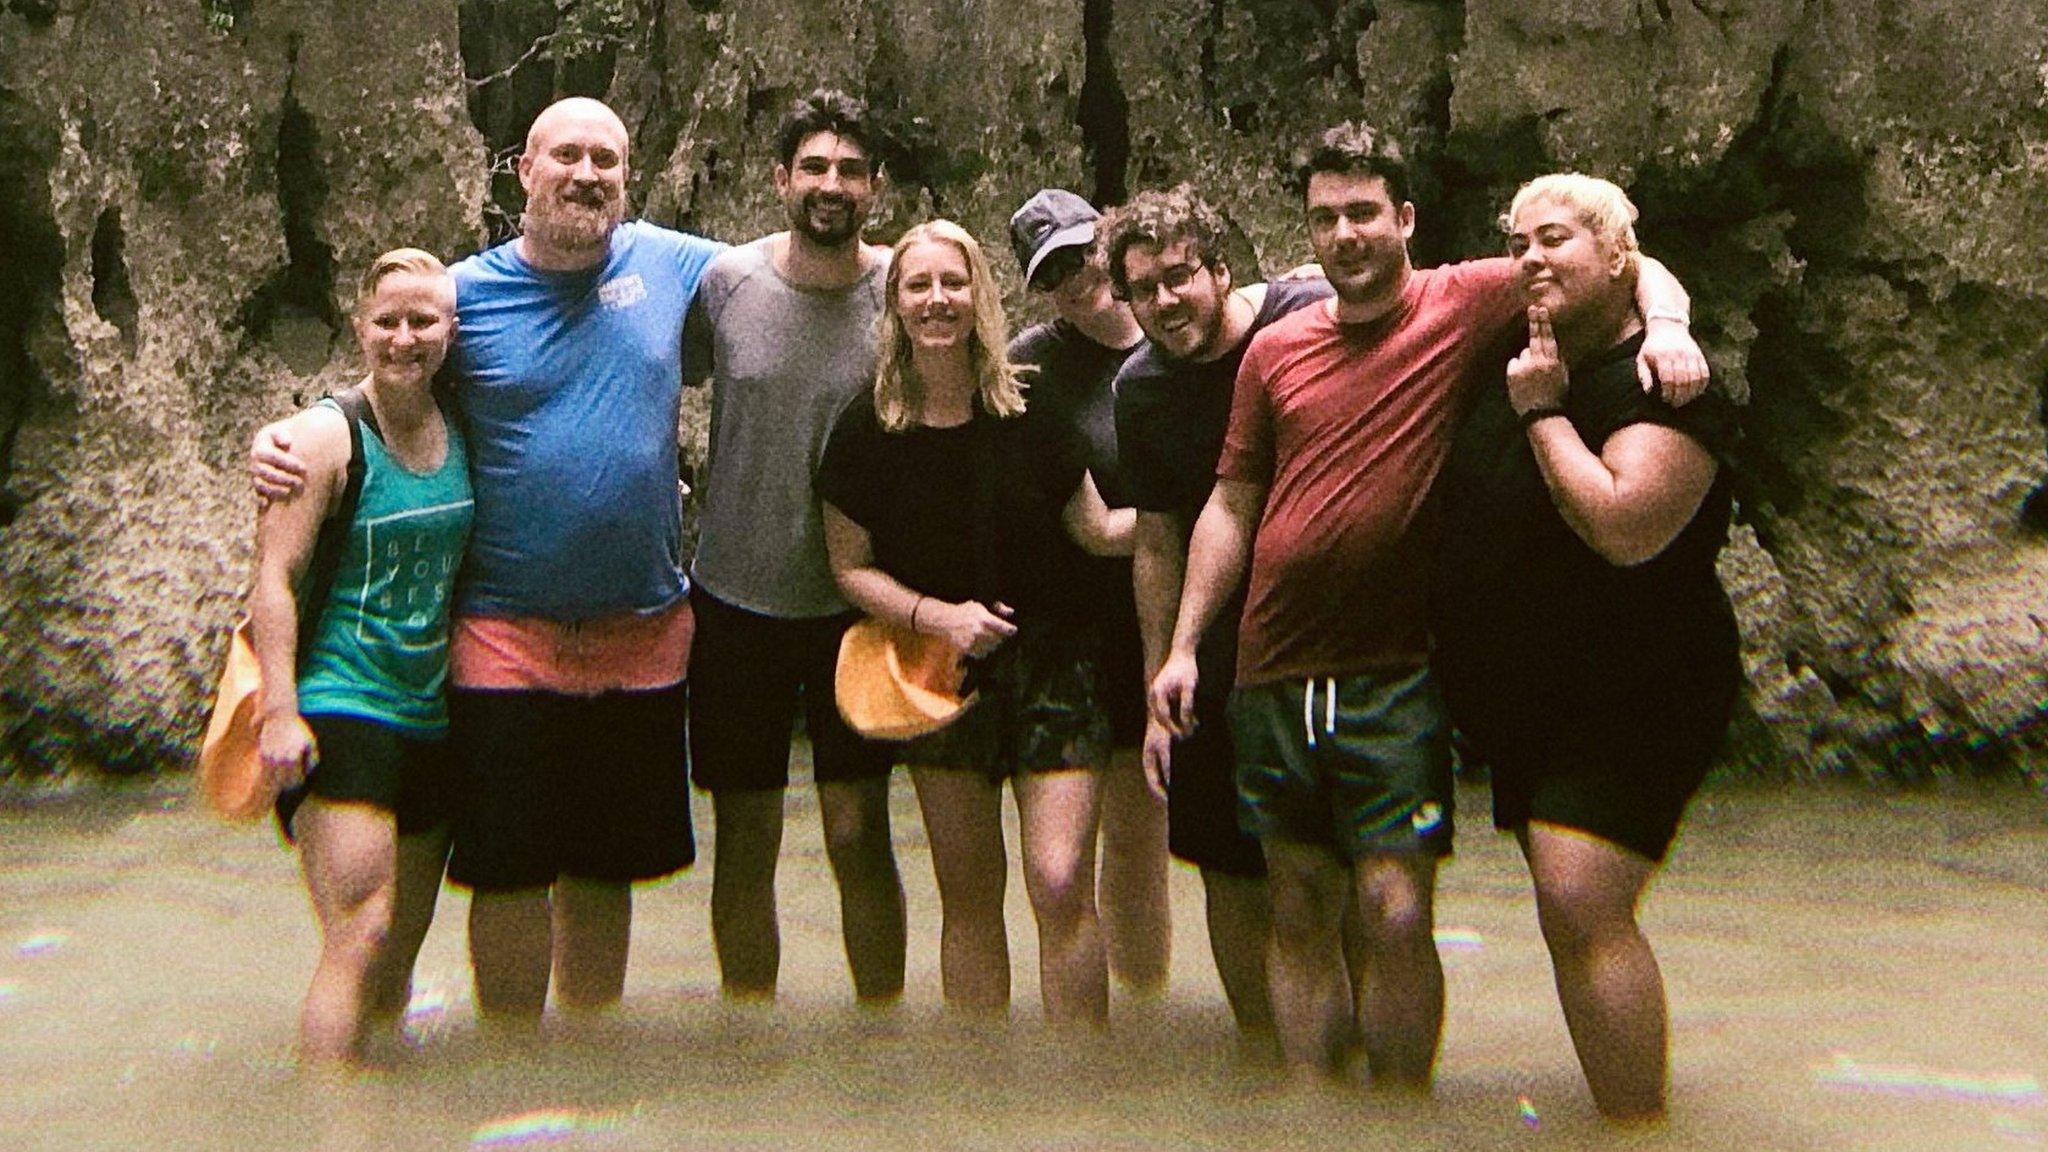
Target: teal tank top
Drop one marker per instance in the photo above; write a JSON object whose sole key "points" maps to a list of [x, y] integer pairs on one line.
{"points": [[380, 651]]}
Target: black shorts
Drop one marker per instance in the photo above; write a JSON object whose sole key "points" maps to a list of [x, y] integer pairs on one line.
{"points": [[595, 788], [1038, 711], [748, 673], [1202, 824], [370, 762], [1622, 770], [1120, 657]]}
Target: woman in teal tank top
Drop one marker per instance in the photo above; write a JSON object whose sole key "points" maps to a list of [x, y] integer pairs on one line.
{"points": [[353, 719]]}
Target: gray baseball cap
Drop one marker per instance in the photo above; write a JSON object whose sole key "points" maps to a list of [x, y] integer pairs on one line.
{"points": [[1052, 219]]}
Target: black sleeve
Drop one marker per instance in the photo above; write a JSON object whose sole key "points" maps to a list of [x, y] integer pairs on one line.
{"points": [[1615, 399], [848, 474]]}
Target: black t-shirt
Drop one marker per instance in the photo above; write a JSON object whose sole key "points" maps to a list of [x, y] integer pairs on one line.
{"points": [[964, 513], [1517, 595], [1171, 414], [1070, 378]]}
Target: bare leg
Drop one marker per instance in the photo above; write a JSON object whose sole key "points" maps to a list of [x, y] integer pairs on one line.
{"points": [[349, 855], [1309, 888], [1058, 814], [963, 818], [510, 953], [746, 845], [1607, 977], [1240, 930], [1404, 1012], [871, 919], [593, 930], [422, 858], [1137, 922]]}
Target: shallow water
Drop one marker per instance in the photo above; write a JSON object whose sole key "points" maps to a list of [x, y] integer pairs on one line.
{"points": [[1847, 969]]}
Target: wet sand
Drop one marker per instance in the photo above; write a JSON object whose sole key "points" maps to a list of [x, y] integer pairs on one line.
{"points": [[1848, 969]]}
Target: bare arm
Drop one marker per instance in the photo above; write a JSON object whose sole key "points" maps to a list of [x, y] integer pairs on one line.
{"points": [[1216, 563], [1157, 567], [276, 470], [969, 626], [1627, 503], [1633, 499], [1670, 359], [286, 530], [1090, 522]]}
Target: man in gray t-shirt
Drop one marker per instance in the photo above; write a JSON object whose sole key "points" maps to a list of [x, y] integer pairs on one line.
{"points": [[784, 330]]}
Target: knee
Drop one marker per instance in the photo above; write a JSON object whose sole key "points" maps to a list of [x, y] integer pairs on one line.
{"points": [[1575, 922], [365, 926], [1396, 913], [1061, 895], [857, 841]]}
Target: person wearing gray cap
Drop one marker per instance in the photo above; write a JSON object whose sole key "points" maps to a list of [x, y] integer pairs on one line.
{"points": [[1070, 363]]}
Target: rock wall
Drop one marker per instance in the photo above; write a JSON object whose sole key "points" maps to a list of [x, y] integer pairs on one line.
{"points": [[187, 187]]}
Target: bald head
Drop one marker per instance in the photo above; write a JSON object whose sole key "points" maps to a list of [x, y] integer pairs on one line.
{"points": [[576, 115]]}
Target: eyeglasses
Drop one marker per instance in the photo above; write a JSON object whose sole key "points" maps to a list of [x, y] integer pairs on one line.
{"points": [[1175, 280], [1054, 269]]}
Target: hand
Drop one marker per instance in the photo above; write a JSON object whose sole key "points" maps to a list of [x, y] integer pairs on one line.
{"points": [[274, 472], [1536, 377], [1172, 699], [1672, 360], [287, 748], [1310, 271], [970, 627], [1158, 757]]}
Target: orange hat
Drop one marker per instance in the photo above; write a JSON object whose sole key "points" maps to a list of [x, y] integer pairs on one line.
{"points": [[894, 684]]}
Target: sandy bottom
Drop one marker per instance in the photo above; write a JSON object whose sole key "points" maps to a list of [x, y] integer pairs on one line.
{"points": [[1847, 969]]}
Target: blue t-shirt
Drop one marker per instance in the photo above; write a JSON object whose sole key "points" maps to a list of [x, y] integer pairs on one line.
{"points": [[571, 383]]}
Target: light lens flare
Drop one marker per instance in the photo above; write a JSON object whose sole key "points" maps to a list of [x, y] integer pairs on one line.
{"points": [[1527, 1111], [540, 1127], [1843, 1071]]}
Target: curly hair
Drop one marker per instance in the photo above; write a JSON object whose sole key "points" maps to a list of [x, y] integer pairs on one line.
{"points": [[1160, 219], [898, 400]]}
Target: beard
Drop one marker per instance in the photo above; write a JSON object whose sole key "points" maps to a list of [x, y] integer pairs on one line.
{"points": [[572, 225], [849, 226]]}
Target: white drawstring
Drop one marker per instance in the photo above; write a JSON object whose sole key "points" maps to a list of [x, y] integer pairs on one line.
{"points": [[1330, 706], [1308, 709]]}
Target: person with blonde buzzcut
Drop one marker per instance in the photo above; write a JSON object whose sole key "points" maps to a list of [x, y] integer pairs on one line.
{"points": [[1583, 642]]}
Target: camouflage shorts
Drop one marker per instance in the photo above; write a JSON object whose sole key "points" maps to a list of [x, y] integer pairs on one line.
{"points": [[1040, 710]]}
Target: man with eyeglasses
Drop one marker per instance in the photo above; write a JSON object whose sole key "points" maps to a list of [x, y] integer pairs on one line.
{"points": [[1070, 364], [1164, 255]]}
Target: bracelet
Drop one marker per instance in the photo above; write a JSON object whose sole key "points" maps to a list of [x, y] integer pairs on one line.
{"points": [[1671, 314], [913, 611], [1541, 412]]}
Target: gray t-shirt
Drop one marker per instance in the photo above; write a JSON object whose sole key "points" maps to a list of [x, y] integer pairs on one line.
{"points": [[783, 363]]}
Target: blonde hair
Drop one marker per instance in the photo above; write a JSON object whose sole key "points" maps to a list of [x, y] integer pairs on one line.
{"points": [[1600, 205], [414, 260], [995, 380]]}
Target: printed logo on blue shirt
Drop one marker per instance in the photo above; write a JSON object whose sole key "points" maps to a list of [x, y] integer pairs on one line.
{"points": [[623, 292]]}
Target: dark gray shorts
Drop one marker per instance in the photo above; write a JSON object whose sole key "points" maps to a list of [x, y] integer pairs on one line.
{"points": [[1358, 764], [1039, 710]]}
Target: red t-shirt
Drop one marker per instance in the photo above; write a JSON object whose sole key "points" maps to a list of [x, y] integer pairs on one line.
{"points": [[1346, 426]]}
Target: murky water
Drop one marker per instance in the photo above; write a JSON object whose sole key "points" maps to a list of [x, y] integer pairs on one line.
{"points": [[1847, 970]]}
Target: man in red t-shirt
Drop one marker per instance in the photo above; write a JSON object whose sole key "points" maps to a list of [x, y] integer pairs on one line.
{"points": [[1342, 414]]}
